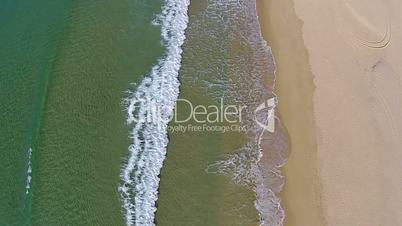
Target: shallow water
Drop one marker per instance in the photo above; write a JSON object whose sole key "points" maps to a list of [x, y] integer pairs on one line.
{"points": [[232, 180]]}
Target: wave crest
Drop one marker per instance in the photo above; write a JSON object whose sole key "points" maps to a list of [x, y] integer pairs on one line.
{"points": [[140, 174]]}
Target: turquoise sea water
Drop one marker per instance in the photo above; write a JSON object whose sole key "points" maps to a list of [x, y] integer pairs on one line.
{"points": [[70, 153]]}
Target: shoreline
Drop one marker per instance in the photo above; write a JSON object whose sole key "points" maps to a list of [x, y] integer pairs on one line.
{"points": [[339, 84], [282, 30]]}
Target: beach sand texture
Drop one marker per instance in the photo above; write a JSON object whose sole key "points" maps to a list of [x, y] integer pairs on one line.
{"points": [[354, 50], [282, 29]]}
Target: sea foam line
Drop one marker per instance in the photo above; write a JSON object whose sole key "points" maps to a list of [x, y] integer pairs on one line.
{"points": [[140, 174], [29, 172]]}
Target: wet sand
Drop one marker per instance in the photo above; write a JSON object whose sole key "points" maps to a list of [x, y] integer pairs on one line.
{"points": [[346, 133], [294, 87]]}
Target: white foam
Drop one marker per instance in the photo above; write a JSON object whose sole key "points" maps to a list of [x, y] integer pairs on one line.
{"points": [[140, 174], [29, 172]]}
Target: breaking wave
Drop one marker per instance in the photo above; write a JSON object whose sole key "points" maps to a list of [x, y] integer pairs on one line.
{"points": [[140, 173]]}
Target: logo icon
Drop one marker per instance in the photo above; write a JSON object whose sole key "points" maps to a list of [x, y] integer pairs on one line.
{"points": [[267, 123]]}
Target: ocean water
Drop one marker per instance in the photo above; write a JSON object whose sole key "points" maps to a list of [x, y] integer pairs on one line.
{"points": [[140, 174], [72, 77], [65, 67]]}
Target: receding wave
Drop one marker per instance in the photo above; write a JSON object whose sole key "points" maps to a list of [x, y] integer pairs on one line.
{"points": [[227, 56], [140, 173]]}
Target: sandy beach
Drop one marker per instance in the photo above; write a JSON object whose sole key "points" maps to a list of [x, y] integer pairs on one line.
{"points": [[340, 96], [282, 29]]}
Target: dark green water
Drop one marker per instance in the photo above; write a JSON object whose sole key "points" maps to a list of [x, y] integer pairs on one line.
{"points": [[64, 67]]}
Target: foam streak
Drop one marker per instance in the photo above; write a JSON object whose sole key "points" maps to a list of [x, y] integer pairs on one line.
{"points": [[29, 172], [140, 174]]}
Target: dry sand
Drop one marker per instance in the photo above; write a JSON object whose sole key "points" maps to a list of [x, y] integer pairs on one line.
{"points": [[346, 134]]}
